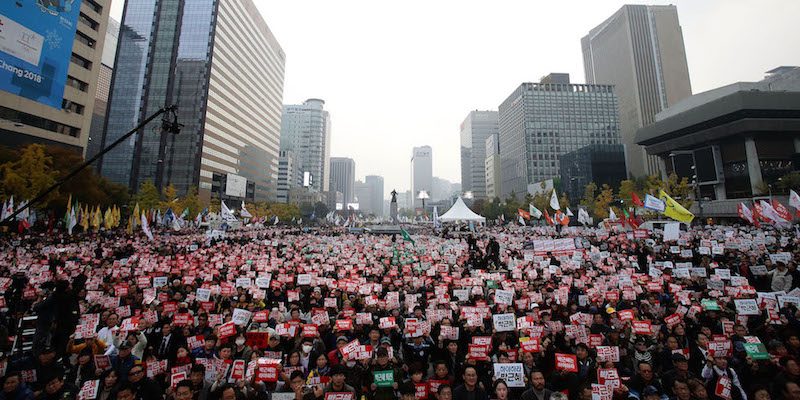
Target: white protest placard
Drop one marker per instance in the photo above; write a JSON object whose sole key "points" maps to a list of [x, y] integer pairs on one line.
{"points": [[243, 282], [89, 390], [304, 279], [263, 281], [461, 294], [241, 317], [672, 231], [504, 296], [159, 281], [203, 294], [746, 307], [512, 373], [504, 322]]}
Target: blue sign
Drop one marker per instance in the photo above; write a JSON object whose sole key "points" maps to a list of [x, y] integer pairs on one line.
{"points": [[36, 38]]}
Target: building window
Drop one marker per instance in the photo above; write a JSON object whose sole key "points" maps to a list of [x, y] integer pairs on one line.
{"points": [[38, 122], [77, 84], [83, 18], [94, 6], [79, 36], [81, 61], [70, 106]]}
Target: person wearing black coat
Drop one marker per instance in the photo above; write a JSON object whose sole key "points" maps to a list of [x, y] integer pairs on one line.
{"points": [[146, 388], [469, 390]]}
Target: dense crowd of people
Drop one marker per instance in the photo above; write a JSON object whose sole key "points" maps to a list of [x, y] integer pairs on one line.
{"points": [[503, 313]]}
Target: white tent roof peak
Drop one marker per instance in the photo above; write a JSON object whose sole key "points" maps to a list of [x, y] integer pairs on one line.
{"points": [[460, 212]]}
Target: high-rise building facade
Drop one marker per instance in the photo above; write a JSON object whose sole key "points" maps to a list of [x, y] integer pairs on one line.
{"points": [[103, 88], [219, 62], [640, 50], [288, 177], [24, 117], [376, 193], [474, 130], [494, 186], [541, 121], [306, 131], [343, 177], [421, 174]]}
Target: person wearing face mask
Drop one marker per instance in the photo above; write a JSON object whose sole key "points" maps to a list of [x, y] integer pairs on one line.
{"points": [[306, 347], [241, 351]]}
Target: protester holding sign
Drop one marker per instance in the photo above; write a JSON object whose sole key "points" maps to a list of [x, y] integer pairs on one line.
{"points": [[590, 312]]}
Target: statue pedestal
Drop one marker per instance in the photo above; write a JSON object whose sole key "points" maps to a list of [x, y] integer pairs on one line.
{"points": [[393, 211]]}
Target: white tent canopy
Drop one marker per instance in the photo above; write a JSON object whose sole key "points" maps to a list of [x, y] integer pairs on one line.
{"points": [[460, 212]]}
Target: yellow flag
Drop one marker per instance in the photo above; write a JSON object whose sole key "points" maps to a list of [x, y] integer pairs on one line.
{"points": [[675, 210], [97, 219], [116, 216], [136, 213], [85, 217]]}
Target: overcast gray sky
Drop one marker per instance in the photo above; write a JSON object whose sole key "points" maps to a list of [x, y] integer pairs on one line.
{"points": [[395, 75]]}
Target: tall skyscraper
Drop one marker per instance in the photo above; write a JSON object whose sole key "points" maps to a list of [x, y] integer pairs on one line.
{"points": [[375, 183], [421, 173], [541, 121], [306, 131], [48, 85], [103, 89], [343, 177], [474, 130], [494, 184], [640, 50], [229, 104]]}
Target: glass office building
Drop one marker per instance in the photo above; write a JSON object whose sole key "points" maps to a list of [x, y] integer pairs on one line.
{"points": [[601, 164], [541, 121], [219, 63]]}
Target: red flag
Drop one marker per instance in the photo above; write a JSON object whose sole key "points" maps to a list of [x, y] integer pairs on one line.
{"points": [[636, 200], [782, 211], [757, 214], [547, 218], [524, 214], [633, 222]]}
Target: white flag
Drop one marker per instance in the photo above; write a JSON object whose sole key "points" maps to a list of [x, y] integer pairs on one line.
{"points": [[226, 213], [245, 213], [72, 220], [276, 221], [794, 200], [5, 206], [653, 203], [534, 211], [554, 201], [435, 218], [611, 214], [583, 216], [146, 227], [569, 212]]}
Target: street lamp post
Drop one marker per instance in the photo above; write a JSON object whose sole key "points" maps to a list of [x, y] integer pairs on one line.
{"points": [[695, 182], [422, 196]]}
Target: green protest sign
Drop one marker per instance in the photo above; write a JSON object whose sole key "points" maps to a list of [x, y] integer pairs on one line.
{"points": [[383, 378], [710, 305], [756, 351]]}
